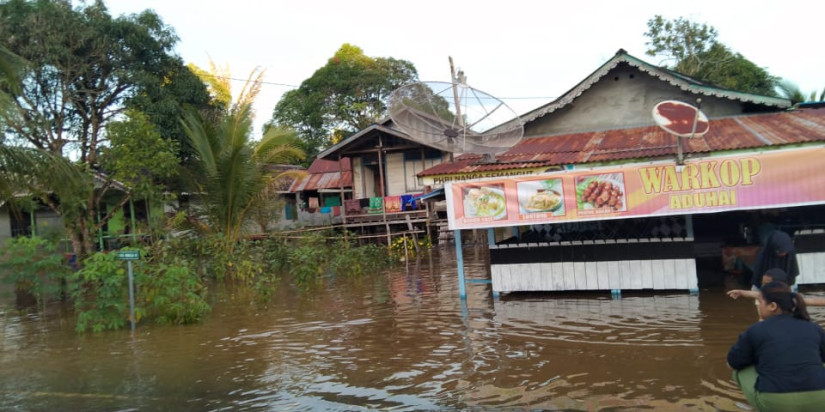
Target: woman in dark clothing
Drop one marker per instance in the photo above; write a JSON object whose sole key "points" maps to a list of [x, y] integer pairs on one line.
{"points": [[778, 252], [779, 362]]}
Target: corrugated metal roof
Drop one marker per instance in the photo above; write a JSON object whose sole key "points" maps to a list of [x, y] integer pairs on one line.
{"points": [[325, 174], [319, 181], [730, 133], [329, 166]]}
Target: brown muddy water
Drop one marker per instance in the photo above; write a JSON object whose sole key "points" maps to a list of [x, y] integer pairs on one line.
{"points": [[392, 341]]}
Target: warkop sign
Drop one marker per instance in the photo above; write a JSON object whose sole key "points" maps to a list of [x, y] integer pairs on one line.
{"points": [[714, 184]]}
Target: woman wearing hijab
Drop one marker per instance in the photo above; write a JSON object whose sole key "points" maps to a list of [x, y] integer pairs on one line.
{"points": [[778, 363], [778, 252]]}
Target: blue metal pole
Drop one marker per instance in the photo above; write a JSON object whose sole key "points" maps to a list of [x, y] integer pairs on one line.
{"points": [[459, 257]]}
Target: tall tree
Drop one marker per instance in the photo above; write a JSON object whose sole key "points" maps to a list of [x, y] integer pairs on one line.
{"points": [[231, 173], [83, 67], [692, 49], [347, 94]]}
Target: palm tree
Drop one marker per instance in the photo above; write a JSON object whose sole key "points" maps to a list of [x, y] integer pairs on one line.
{"points": [[232, 171], [791, 91]]}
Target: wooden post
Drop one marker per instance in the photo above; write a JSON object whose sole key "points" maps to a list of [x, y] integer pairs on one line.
{"points": [[132, 221], [381, 188], [343, 198], [99, 231], [412, 231], [423, 166], [383, 192], [33, 221]]}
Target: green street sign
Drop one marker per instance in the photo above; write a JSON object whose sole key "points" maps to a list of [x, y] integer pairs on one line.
{"points": [[128, 255]]}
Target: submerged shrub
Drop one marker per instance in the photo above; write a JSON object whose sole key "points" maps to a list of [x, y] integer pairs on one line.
{"points": [[34, 266], [308, 259], [173, 294], [355, 261], [405, 246], [167, 291], [100, 294]]}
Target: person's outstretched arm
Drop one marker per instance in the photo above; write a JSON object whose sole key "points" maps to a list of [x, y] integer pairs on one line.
{"points": [[814, 301], [741, 293]]}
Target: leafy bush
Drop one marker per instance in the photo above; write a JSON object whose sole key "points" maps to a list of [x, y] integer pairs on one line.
{"points": [[166, 291], [173, 294], [404, 246], [355, 261], [34, 266], [308, 259], [100, 294]]}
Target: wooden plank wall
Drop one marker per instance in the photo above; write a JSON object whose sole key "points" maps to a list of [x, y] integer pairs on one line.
{"points": [[811, 268], [810, 256], [395, 174], [662, 274]]}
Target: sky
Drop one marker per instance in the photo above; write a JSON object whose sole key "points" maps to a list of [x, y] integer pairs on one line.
{"points": [[526, 53]]}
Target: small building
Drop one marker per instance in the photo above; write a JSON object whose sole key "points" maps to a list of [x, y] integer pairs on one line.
{"points": [[127, 222], [603, 130], [385, 196], [316, 198]]}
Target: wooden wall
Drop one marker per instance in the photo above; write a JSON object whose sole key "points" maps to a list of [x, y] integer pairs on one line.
{"points": [[810, 256], [651, 264]]}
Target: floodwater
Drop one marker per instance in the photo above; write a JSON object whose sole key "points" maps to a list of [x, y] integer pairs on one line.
{"points": [[394, 341]]}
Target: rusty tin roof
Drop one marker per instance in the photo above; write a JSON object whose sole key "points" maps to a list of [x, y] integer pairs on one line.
{"points": [[729, 133]]}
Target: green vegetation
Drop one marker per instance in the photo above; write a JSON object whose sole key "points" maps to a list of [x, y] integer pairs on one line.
{"points": [[405, 246], [35, 268], [344, 96], [99, 114], [693, 50], [77, 71], [171, 277]]}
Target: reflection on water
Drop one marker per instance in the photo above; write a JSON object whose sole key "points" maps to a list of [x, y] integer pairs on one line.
{"points": [[400, 340]]}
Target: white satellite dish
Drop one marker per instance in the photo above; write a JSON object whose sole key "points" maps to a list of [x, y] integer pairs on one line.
{"points": [[680, 119], [455, 117]]}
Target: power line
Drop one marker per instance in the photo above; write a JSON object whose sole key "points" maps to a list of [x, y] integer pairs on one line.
{"points": [[295, 87], [262, 82]]}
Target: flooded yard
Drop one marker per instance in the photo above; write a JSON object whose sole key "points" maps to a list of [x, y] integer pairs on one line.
{"points": [[401, 340]]}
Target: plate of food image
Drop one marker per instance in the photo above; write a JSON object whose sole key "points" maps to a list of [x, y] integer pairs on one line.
{"points": [[541, 196], [602, 192], [485, 201]]}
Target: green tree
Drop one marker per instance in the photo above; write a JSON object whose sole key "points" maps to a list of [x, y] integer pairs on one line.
{"points": [[83, 68], [164, 103], [231, 171], [346, 95], [139, 157], [10, 68], [791, 91], [692, 49]]}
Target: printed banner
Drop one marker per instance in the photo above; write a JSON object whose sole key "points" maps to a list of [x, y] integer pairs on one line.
{"points": [[709, 185]]}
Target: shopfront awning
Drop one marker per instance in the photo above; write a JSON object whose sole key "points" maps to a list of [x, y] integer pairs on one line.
{"points": [[756, 180]]}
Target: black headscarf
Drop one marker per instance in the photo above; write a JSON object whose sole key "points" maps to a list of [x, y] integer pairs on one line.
{"points": [[778, 242]]}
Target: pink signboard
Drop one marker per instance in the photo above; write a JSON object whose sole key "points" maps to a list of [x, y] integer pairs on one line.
{"points": [[713, 184]]}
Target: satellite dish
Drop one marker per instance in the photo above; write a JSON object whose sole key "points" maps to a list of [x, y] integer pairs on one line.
{"points": [[455, 117], [680, 119]]}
